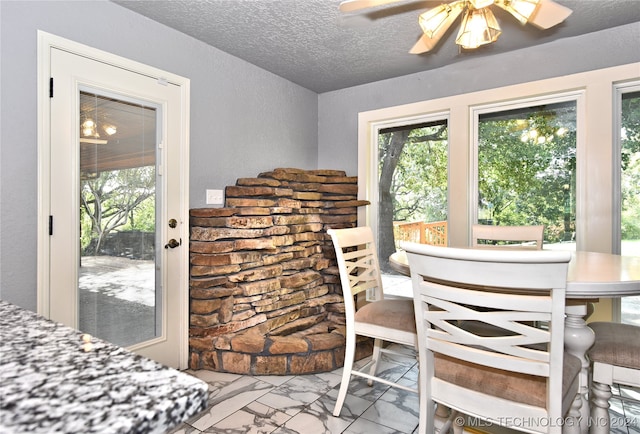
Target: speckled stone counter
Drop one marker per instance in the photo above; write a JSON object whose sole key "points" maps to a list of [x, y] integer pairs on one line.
{"points": [[51, 381]]}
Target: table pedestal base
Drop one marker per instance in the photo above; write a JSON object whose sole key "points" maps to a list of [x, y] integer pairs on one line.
{"points": [[578, 338]]}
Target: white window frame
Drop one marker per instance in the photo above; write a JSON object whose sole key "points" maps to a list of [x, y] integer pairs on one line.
{"points": [[477, 111], [370, 214], [594, 199], [619, 89]]}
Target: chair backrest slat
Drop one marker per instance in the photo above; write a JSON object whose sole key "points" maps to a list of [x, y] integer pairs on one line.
{"points": [[357, 260], [523, 235]]}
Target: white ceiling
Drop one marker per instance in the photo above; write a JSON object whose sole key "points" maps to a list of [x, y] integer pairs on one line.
{"points": [[311, 43]]}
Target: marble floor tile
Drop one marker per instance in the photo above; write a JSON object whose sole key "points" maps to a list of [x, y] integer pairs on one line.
{"points": [[318, 416], [290, 402], [397, 409], [358, 387], [215, 379], [616, 407], [229, 399], [632, 416], [292, 396], [303, 404], [630, 392], [363, 426], [276, 380], [255, 418], [315, 419], [352, 408]]}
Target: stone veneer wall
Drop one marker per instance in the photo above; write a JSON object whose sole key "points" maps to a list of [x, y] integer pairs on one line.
{"points": [[265, 295]]}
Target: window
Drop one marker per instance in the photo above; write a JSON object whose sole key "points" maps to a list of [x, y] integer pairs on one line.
{"points": [[627, 134], [526, 168], [582, 194], [412, 185]]}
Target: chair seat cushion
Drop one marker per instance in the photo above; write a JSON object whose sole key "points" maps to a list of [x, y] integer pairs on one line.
{"points": [[396, 314], [518, 387], [616, 344]]}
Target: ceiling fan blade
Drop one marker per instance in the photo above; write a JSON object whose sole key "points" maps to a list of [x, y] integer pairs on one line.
{"points": [[356, 5], [425, 44], [522, 10], [549, 14]]}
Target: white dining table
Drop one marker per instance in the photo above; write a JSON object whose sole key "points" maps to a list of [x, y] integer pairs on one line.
{"points": [[591, 276]]}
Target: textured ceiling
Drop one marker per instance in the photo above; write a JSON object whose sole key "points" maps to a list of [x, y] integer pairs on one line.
{"points": [[311, 43]]}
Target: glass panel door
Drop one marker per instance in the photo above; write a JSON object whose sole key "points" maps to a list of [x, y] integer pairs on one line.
{"points": [[117, 194], [118, 296]]}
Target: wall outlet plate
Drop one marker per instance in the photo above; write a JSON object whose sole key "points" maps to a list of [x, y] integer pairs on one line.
{"points": [[215, 197]]}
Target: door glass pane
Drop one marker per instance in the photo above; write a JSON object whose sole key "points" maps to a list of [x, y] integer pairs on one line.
{"points": [[412, 186], [117, 271], [630, 193], [527, 170]]}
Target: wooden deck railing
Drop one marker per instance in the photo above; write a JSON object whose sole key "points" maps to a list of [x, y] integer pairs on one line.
{"points": [[434, 233]]}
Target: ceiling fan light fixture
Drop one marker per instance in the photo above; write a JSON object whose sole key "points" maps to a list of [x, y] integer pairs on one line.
{"points": [[479, 4], [479, 27], [437, 20], [89, 128], [522, 10], [110, 129]]}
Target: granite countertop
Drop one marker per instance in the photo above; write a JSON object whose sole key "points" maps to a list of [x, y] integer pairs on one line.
{"points": [[55, 379]]}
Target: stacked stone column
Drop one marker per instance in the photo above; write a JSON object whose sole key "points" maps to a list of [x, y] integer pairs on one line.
{"points": [[265, 294]]}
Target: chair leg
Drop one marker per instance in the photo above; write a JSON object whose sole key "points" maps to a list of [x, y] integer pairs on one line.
{"points": [[457, 427], [448, 420], [349, 356], [600, 408], [375, 358], [427, 417], [572, 422]]}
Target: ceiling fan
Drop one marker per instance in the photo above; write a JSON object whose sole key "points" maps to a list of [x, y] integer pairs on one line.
{"points": [[479, 25]]}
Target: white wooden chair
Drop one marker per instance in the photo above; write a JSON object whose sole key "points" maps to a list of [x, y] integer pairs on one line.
{"points": [[389, 320], [516, 375], [616, 360], [520, 235]]}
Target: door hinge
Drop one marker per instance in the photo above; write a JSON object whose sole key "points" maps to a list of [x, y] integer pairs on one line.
{"points": [[50, 225], [50, 87]]}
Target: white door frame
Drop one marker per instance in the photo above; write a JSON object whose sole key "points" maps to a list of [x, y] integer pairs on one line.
{"points": [[46, 42]]}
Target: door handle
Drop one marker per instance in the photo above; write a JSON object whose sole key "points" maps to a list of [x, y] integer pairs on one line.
{"points": [[172, 244]]}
